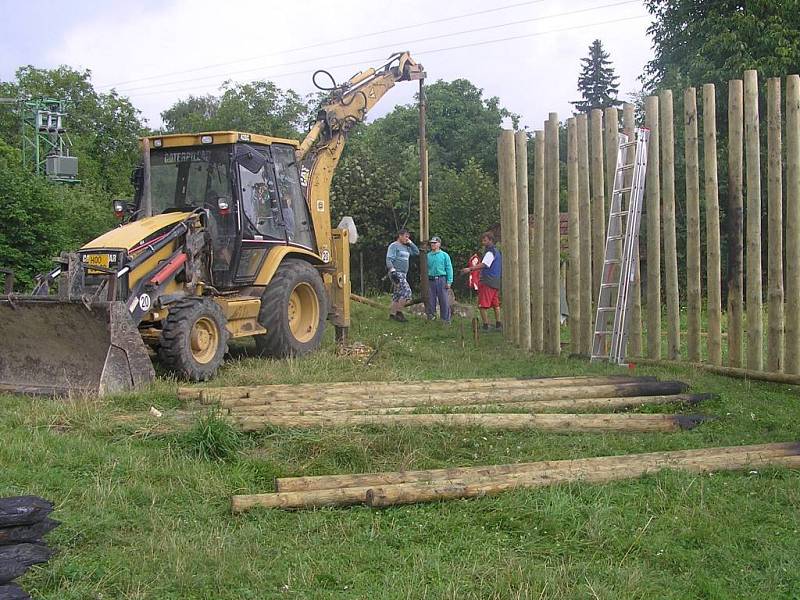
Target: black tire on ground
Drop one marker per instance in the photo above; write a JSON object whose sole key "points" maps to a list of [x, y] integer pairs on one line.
{"points": [[293, 311], [194, 339]]}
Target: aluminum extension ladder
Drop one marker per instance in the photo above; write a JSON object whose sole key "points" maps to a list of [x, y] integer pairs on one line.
{"points": [[622, 239]]}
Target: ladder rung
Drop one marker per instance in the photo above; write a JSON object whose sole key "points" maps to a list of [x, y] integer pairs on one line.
{"points": [[627, 144], [623, 190], [619, 213], [612, 261], [615, 237], [603, 332], [607, 285], [626, 167], [606, 309]]}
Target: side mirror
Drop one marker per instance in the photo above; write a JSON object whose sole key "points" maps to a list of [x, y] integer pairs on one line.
{"points": [[121, 208]]}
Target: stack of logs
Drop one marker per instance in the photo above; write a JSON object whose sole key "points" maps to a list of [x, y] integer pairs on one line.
{"points": [[491, 403], [23, 523]]}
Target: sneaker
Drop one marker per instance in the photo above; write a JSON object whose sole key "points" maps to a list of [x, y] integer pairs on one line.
{"points": [[498, 326], [400, 317], [431, 317], [485, 327]]}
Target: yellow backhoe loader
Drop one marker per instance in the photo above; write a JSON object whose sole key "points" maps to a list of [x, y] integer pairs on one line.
{"points": [[229, 235]]}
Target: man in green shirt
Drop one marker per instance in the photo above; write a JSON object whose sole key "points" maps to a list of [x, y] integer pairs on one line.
{"points": [[440, 278]]}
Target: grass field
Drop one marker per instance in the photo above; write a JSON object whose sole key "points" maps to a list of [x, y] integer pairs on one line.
{"points": [[145, 513]]}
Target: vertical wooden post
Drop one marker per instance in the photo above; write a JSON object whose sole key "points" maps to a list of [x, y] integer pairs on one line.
{"points": [[424, 213], [611, 141], [693, 295], [653, 203], [537, 245], [735, 223], [573, 208], [552, 267], [598, 201], [668, 225], [523, 249], [508, 194], [635, 313], [792, 358], [586, 235], [713, 275], [775, 228], [755, 325], [502, 178]]}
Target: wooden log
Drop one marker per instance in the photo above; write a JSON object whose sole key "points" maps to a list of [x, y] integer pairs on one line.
{"points": [[567, 423], [598, 200], [668, 224], [774, 228], [12, 591], [735, 224], [368, 400], [653, 204], [368, 302], [635, 290], [573, 211], [693, 286], [18, 558], [344, 496], [713, 272], [23, 510], [367, 480], [537, 246], [552, 241], [523, 248], [738, 373], [585, 218], [421, 492], [611, 144], [508, 199], [27, 533], [755, 325], [792, 225]]}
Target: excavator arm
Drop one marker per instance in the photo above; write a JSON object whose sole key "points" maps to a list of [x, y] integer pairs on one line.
{"points": [[319, 153]]}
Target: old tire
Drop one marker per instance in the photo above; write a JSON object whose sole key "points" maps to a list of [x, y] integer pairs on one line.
{"points": [[293, 311], [194, 339]]}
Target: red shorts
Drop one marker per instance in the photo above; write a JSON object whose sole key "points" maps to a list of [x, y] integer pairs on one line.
{"points": [[488, 297]]}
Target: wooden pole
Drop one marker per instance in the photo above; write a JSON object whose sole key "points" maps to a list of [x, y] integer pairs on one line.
{"points": [[755, 326], [537, 246], [668, 218], [775, 228], [653, 203], [552, 258], [635, 314], [573, 208], [523, 248], [693, 293], [598, 201], [729, 371], [735, 224], [611, 142], [585, 218], [424, 227], [713, 272], [793, 224], [508, 198]]}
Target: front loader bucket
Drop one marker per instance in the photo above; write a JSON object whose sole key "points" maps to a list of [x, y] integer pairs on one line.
{"points": [[49, 346]]}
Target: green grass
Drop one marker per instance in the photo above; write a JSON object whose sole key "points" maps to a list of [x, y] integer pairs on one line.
{"points": [[144, 502]]}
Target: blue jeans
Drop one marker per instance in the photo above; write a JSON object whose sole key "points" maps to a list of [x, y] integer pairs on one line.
{"points": [[438, 292]]}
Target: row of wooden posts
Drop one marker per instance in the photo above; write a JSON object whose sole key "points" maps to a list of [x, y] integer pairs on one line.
{"points": [[532, 252]]}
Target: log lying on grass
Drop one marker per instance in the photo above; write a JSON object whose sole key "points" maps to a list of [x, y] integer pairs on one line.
{"points": [[26, 533], [567, 423], [738, 373], [537, 406], [12, 591], [402, 397], [23, 510], [381, 387], [18, 558], [401, 486]]}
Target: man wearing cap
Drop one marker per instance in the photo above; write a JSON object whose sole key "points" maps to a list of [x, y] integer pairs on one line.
{"points": [[440, 278]]}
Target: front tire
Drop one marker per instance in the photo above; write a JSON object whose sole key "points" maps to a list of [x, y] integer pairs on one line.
{"points": [[194, 339], [293, 311]]}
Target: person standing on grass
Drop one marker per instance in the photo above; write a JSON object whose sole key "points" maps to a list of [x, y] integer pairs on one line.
{"points": [[398, 256], [440, 278], [491, 269]]}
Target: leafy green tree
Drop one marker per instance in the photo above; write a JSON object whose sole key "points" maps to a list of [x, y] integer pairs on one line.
{"points": [[256, 107], [597, 82]]}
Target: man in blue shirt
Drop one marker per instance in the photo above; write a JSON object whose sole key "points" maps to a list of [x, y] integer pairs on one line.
{"points": [[491, 268], [440, 278], [398, 256]]}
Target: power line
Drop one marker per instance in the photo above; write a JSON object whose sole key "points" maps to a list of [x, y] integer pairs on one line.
{"points": [[332, 42], [435, 51], [384, 46]]}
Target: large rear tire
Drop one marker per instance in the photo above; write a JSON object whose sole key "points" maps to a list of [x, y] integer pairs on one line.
{"points": [[293, 311], [194, 339]]}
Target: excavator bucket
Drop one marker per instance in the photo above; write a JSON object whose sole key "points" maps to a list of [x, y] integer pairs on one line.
{"points": [[54, 347]]}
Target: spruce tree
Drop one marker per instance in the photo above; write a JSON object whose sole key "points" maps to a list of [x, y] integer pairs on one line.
{"points": [[597, 83]]}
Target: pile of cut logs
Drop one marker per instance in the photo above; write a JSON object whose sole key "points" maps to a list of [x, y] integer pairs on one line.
{"points": [[23, 523], [492, 403]]}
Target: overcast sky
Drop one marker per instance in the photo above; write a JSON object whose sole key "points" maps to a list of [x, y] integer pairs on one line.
{"points": [[526, 52]]}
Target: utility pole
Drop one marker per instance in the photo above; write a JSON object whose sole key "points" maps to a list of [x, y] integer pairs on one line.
{"points": [[424, 232]]}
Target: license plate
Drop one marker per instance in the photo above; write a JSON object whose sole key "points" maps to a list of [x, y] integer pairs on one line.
{"points": [[97, 260]]}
